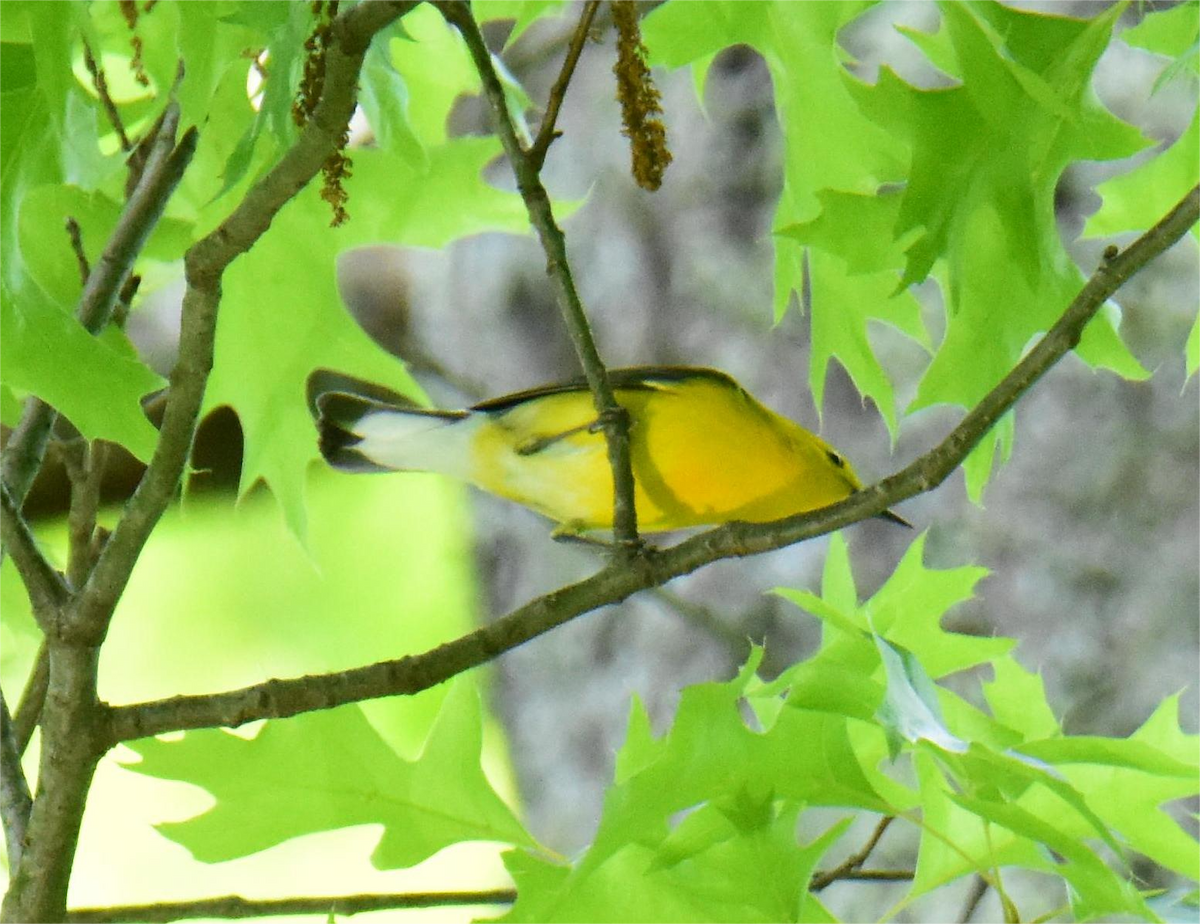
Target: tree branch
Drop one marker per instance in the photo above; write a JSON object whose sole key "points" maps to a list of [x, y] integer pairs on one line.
{"points": [[612, 584], [547, 133], [47, 591], [234, 906], [850, 866], [106, 101], [541, 216], [979, 887], [15, 801], [72, 745], [29, 709]]}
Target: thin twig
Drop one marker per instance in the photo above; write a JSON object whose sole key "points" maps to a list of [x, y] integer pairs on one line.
{"points": [[234, 906], [162, 173], [547, 133], [106, 100], [537, 202], [282, 698], [874, 875], [15, 801], [979, 887], [29, 709], [47, 591], [75, 234], [84, 463], [851, 864]]}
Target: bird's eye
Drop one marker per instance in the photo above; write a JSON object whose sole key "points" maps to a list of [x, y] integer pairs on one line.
{"points": [[835, 458]]}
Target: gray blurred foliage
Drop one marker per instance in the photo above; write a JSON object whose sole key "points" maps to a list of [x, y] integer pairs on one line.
{"points": [[1090, 531]]}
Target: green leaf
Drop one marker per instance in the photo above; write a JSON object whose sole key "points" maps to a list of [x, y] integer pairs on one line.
{"points": [[384, 98], [740, 783], [907, 610], [829, 146], [1121, 788], [843, 303], [1193, 348], [837, 581], [96, 383], [954, 841], [50, 138], [10, 407], [1095, 889], [1017, 699], [980, 462], [986, 157], [1134, 201], [524, 12], [755, 874], [1169, 32], [330, 769], [436, 68]]}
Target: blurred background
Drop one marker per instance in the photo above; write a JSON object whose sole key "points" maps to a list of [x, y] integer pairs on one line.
{"points": [[1091, 531]]}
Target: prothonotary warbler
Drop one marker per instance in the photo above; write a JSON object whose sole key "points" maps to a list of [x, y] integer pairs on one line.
{"points": [[704, 450]]}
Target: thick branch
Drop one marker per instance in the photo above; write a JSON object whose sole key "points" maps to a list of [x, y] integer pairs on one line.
{"points": [[71, 748], [234, 906], [281, 698], [541, 216]]}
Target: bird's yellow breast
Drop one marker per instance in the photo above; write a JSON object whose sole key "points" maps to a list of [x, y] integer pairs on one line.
{"points": [[703, 451]]}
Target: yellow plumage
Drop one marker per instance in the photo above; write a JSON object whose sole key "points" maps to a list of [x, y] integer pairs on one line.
{"points": [[704, 451]]}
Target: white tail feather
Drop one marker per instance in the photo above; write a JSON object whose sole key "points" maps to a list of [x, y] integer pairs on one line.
{"points": [[413, 441]]}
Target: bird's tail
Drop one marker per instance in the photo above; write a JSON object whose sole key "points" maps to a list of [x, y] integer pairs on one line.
{"points": [[365, 427]]}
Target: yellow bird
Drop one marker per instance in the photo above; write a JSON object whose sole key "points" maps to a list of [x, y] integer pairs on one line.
{"points": [[704, 450]]}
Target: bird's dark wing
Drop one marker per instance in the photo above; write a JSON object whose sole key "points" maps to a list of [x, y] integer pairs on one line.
{"points": [[631, 378]]}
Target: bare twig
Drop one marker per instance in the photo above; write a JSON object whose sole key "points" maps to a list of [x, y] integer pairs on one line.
{"points": [[106, 100], [547, 133], [75, 233], [875, 875], [850, 866], [979, 887], [15, 801], [541, 216], [162, 173], [47, 592], [234, 906], [281, 698], [29, 709]]}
